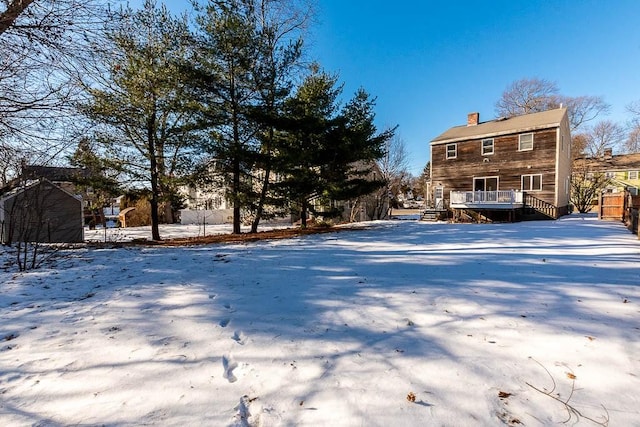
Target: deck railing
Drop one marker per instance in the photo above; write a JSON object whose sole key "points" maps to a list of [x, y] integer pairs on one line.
{"points": [[506, 197], [541, 206]]}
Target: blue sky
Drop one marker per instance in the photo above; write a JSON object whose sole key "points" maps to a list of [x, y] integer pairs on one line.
{"points": [[430, 63]]}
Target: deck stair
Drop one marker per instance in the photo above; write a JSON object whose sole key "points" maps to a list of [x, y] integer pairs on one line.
{"points": [[433, 214], [535, 207]]}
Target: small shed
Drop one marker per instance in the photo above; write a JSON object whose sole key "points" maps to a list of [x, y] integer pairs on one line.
{"points": [[122, 216], [40, 211]]}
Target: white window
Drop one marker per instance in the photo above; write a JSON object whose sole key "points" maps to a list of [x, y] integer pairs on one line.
{"points": [[487, 146], [525, 142], [609, 175], [633, 174], [532, 182], [452, 151]]}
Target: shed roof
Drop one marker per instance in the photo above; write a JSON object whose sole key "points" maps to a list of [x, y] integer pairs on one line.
{"points": [[503, 126], [10, 194]]}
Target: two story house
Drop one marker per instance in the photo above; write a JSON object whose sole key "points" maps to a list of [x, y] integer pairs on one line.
{"points": [[622, 171], [505, 169]]}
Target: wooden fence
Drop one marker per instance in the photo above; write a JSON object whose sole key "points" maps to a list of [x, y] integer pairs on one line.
{"points": [[612, 206], [620, 207]]}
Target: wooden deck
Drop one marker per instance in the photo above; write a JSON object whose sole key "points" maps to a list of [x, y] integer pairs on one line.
{"points": [[501, 199]]}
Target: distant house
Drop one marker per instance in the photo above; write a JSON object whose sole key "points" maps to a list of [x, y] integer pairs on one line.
{"points": [[196, 198], [504, 169], [64, 177], [40, 211], [621, 170], [206, 203]]}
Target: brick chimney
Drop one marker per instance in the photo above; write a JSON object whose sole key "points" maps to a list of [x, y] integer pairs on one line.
{"points": [[473, 119], [608, 153]]}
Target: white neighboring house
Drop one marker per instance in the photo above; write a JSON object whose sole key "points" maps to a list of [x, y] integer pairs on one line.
{"points": [[199, 199], [210, 206], [205, 206]]}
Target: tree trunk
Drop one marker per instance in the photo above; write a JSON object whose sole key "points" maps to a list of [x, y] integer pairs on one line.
{"points": [[155, 229], [303, 214], [265, 184], [263, 197], [236, 192], [13, 11], [237, 149], [163, 191], [354, 210]]}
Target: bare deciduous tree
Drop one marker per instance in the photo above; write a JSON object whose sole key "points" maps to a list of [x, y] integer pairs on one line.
{"points": [[395, 160], [632, 144], [634, 108], [582, 109], [586, 185], [39, 39], [527, 96], [578, 145], [393, 166], [605, 134], [535, 95]]}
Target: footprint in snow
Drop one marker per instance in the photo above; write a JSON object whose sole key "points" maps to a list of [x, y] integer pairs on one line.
{"points": [[247, 412], [239, 337], [225, 322], [10, 336], [229, 364], [242, 411]]}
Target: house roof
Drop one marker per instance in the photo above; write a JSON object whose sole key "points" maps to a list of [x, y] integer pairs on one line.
{"points": [[50, 173], [54, 173], [619, 162], [503, 126]]}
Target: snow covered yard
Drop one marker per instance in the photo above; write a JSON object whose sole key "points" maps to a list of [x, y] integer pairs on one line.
{"points": [[405, 323], [167, 231]]}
